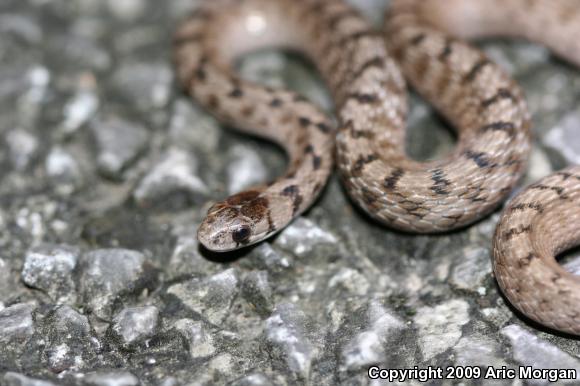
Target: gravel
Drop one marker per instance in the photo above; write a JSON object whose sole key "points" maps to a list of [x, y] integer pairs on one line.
{"points": [[107, 169]]}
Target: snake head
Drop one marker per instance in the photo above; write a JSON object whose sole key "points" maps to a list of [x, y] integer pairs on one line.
{"points": [[239, 221]]}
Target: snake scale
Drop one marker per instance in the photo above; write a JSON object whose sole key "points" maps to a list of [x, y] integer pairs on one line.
{"points": [[365, 71]]}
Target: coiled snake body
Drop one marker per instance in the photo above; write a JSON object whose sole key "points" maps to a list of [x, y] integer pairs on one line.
{"points": [[480, 101]]}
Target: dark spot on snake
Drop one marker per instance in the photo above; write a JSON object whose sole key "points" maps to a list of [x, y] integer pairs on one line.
{"points": [[293, 191], [323, 127], [477, 67], [256, 208], [376, 62], [364, 98], [480, 159], [559, 190], [359, 35], [508, 127], [513, 232], [392, 180], [528, 205], [290, 190], [441, 183], [361, 162], [368, 196], [248, 111], [502, 93], [200, 74], [316, 162], [243, 197], [304, 122], [236, 93], [213, 102], [416, 40], [447, 50], [276, 102]]}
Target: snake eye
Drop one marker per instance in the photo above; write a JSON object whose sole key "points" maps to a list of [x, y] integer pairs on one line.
{"points": [[242, 234]]}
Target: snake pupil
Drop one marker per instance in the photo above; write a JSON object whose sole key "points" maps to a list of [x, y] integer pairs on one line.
{"points": [[241, 235]]}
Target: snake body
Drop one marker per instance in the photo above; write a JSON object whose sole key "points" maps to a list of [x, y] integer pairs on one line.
{"points": [[424, 38]]}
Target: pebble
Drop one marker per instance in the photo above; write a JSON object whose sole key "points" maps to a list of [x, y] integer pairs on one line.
{"points": [[79, 110], [440, 327], [246, 169], [135, 324], [529, 350], [49, 268], [256, 290], [109, 274], [289, 345], [473, 266], [16, 379], [111, 378], [63, 168], [175, 173], [211, 297], [256, 379], [119, 143], [563, 138], [22, 147], [16, 329], [146, 85], [303, 236], [198, 338], [70, 340], [369, 346]]}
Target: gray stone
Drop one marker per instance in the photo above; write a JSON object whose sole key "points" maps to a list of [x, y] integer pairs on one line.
{"points": [[63, 168], [79, 110], [211, 297], [270, 259], [246, 169], [288, 343], [8, 287], [49, 268], [109, 274], [16, 379], [440, 326], [529, 350], [563, 138], [23, 148], [135, 324], [304, 236], [119, 143], [256, 289], [175, 173], [368, 346], [146, 85], [127, 10], [256, 379], [198, 338], [190, 126], [71, 343], [473, 266], [111, 378], [16, 329]]}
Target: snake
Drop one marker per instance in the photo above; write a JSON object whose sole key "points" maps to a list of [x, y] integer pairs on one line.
{"points": [[366, 71]]}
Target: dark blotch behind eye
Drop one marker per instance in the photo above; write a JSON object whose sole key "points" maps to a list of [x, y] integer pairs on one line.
{"points": [[242, 234]]}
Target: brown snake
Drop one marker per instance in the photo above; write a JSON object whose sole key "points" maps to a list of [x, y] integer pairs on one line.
{"points": [[472, 93]]}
